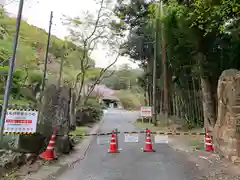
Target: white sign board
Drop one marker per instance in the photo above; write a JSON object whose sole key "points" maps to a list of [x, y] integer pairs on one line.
{"points": [[102, 140], [161, 139], [146, 111], [131, 138], [20, 121]]}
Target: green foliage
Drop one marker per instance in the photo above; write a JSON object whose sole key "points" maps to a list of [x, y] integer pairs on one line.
{"points": [[124, 78], [16, 81], [35, 77], [93, 102], [29, 58], [201, 38], [130, 100], [91, 112]]}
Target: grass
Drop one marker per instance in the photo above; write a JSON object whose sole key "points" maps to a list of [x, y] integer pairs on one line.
{"points": [[76, 134], [150, 126], [165, 124], [195, 142], [9, 176], [17, 101]]}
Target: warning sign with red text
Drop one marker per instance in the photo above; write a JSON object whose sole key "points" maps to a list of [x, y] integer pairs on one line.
{"points": [[146, 111], [20, 121]]}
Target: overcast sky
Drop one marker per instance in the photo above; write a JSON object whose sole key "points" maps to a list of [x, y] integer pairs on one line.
{"points": [[37, 12]]}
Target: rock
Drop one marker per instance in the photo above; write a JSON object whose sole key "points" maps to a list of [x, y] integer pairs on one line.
{"points": [[2, 151], [31, 144], [235, 159], [9, 160], [64, 144], [227, 128]]}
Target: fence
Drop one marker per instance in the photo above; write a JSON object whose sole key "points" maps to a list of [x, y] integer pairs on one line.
{"points": [[187, 105]]}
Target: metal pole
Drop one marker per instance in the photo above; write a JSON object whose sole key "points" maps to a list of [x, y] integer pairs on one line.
{"points": [[116, 131], [46, 54], [10, 70], [154, 113]]}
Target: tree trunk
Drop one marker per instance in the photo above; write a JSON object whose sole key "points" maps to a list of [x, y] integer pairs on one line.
{"points": [[145, 96], [209, 110], [150, 80], [149, 96], [146, 92], [161, 101], [158, 99], [73, 111]]}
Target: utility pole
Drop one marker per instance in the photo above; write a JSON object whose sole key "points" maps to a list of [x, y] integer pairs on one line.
{"points": [[154, 109], [164, 63], [60, 72], [46, 54], [10, 70]]}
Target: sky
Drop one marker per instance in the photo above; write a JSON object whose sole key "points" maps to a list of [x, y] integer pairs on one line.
{"points": [[37, 12]]}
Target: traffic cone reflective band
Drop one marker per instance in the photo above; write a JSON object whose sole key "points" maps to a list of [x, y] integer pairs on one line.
{"points": [[49, 154], [113, 144], [208, 143], [148, 142]]}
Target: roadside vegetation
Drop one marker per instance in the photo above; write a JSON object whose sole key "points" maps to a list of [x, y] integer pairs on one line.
{"points": [[125, 81], [201, 40]]}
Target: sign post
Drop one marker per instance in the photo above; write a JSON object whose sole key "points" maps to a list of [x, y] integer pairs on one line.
{"points": [[116, 131], [146, 112]]}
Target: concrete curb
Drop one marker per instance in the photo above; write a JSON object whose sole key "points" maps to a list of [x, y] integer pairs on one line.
{"points": [[50, 172]]}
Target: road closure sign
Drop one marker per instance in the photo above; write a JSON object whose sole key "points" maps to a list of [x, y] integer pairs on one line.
{"points": [[102, 140], [133, 138], [20, 121], [146, 111], [161, 139]]}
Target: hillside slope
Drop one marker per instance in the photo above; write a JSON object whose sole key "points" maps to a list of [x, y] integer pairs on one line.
{"points": [[30, 56]]}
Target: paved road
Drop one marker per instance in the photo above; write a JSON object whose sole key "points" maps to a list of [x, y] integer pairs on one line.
{"points": [[131, 163]]}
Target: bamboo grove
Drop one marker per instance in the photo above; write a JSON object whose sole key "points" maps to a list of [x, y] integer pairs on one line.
{"points": [[202, 40]]}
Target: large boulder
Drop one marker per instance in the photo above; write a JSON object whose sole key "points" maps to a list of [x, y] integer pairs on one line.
{"points": [[227, 128]]}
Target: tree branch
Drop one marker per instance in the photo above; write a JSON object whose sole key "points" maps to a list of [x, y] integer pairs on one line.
{"points": [[97, 21], [99, 77]]}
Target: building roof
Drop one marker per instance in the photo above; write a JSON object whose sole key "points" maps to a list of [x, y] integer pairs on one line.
{"points": [[110, 98]]}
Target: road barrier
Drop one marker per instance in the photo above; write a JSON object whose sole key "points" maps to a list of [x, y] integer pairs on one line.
{"points": [[125, 132], [143, 132], [132, 137]]}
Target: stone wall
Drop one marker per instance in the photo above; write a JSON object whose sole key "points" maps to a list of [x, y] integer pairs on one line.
{"points": [[47, 110], [226, 131], [53, 113]]}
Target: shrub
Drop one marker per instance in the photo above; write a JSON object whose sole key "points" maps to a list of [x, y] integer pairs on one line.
{"points": [[129, 99], [91, 112]]}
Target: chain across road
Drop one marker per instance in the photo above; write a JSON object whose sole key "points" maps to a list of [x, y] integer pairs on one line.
{"points": [[128, 132], [143, 132]]}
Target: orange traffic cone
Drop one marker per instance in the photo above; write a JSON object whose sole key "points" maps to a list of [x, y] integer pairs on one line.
{"points": [[148, 143], [208, 143], [113, 144], [49, 154]]}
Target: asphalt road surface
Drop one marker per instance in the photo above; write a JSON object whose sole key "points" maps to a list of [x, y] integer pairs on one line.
{"points": [[131, 163]]}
